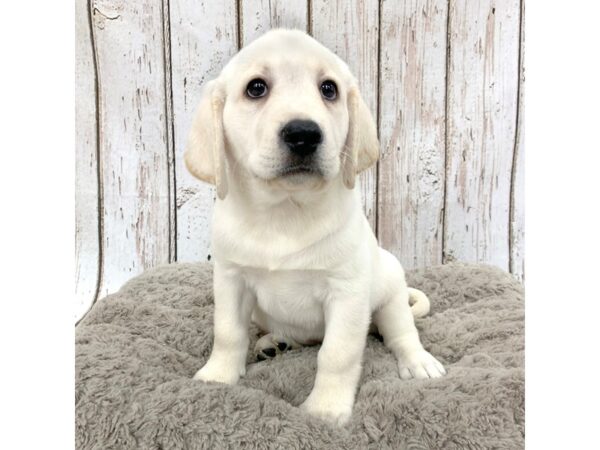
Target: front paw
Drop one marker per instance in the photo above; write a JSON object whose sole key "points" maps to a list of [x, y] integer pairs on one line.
{"points": [[420, 364], [219, 373], [327, 408]]}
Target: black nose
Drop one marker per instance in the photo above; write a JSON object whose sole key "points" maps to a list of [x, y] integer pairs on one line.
{"points": [[302, 136]]}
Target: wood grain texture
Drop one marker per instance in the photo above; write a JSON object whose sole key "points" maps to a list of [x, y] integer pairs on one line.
{"points": [[412, 109], [260, 16], [481, 115], [87, 245], [517, 210], [203, 38], [350, 29], [133, 138]]}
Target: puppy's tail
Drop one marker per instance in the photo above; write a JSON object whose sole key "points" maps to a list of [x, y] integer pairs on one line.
{"points": [[418, 301]]}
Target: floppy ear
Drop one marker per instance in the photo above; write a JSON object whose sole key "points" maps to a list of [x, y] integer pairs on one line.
{"points": [[205, 150], [362, 147]]}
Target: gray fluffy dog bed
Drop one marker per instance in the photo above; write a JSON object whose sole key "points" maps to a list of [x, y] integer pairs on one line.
{"points": [[137, 350]]}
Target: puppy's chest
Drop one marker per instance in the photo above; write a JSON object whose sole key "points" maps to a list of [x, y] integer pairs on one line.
{"points": [[289, 296]]}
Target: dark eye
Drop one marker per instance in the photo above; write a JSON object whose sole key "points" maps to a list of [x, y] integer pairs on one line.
{"points": [[328, 90], [256, 88]]}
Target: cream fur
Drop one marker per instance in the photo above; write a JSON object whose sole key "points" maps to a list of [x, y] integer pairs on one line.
{"points": [[296, 253]]}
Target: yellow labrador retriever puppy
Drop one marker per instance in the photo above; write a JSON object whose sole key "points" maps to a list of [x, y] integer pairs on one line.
{"points": [[282, 133]]}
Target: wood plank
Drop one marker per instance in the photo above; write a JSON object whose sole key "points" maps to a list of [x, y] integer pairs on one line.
{"points": [[87, 246], [482, 108], [203, 38], [259, 16], [133, 137], [517, 210], [412, 130], [350, 29]]}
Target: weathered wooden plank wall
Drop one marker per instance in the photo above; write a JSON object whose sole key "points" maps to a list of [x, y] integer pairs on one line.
{"points": [[203, 38], [87, 226], [481, 113], [259, 16], [442, 77], [517, 210], [412, 130], [134, 152]]}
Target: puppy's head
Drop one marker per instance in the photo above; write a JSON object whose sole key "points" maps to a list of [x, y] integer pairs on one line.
{"points": [[285, 110]]}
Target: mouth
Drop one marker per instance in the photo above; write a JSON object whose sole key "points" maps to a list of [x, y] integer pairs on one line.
{"points": [[300, 169]]}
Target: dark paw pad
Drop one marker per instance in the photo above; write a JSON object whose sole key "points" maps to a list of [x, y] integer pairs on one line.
{"points": [[282, 346], [270, 352]]}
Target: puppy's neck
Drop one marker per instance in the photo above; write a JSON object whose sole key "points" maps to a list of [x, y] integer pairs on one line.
{"points": [[258, 225]]}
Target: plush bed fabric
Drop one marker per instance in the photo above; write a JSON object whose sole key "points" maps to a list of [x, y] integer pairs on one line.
{"points": [[137, 350]]}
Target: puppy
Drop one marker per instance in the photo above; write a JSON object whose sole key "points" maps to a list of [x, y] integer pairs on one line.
{"points": [[282, 133]]}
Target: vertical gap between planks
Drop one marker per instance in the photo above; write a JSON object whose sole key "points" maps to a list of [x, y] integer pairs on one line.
{"points": [[99, 171], [309, 14], [169, 124], [517, 136], [446, 136], [239, 20], [378, 118]]}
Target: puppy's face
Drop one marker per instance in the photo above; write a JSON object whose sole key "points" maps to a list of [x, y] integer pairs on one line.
{"points": [[284, 110]]}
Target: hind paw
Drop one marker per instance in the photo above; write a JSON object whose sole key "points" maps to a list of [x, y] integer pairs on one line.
{"points": [[269, 346]]}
